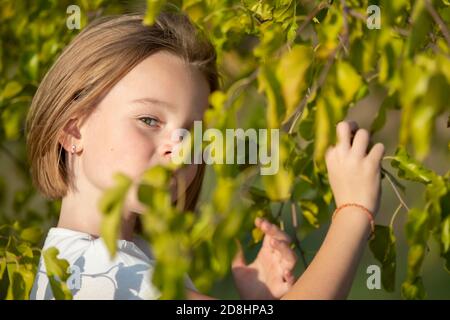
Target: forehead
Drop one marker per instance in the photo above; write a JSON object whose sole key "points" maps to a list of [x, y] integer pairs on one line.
{"points": [[166, 77]]}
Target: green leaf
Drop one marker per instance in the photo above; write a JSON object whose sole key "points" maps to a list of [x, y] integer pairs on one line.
{"points": [[425, 112], [12, 120], [270, 85], [421, 22], [257, 235], [111, 205], [152, 11], [445, 234], [324, 129], [21, 284], [291, 74], [446, 257], [348, 80], [272, 38], [436, 193], [383, 249], [417, 231], [2, 267], [33, 67], [416, 255], [57, 273], [223, 195], [31, 234], [310, 212], [278, 186], [411, 169], [11, 89], [414, 290], [156, 177]]}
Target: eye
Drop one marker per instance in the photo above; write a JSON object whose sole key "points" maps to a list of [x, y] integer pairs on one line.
{"points": [[151, 122]]}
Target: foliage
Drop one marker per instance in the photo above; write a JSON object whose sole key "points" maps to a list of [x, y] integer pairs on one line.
{"points": [[294, 65]]}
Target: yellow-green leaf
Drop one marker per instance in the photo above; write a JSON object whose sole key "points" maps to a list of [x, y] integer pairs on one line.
{"points": [[11, 89], [111, 205], [57, 273]]}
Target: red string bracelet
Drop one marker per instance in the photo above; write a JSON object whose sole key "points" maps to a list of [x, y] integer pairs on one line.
{"points": [[367, 211]]}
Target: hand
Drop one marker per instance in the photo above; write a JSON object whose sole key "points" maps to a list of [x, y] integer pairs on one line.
{"points": [[269, 276], [353, 171]]}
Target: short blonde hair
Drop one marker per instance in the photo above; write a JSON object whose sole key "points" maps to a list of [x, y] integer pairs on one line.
{"points": [[97, 58]]}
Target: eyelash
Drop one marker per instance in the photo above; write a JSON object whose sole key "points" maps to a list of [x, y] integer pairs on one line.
{"points": [[151, 119]]}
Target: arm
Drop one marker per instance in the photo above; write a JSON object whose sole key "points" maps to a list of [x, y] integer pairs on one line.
{"points": [[330, 274], [354, 176]]}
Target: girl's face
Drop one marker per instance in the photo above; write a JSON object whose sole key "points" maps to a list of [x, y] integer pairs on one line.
{"points": [[131, 129]]}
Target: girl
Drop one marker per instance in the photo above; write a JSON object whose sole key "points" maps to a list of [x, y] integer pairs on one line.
{"points": [[108, 105]]}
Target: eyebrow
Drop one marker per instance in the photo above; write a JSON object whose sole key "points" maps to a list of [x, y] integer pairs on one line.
{"points": [[149, 100]]}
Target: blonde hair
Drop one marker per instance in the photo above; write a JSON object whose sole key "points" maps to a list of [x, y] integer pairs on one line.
{"points": [[97, 58]]}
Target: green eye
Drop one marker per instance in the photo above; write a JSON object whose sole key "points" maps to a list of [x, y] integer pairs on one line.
{"points": [[151, 122]]}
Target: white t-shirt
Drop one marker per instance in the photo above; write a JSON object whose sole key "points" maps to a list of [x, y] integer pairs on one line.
{"points": [[126, 276]]}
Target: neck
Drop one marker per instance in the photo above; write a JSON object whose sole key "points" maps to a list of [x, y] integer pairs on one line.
{"points": [[80, 212]]}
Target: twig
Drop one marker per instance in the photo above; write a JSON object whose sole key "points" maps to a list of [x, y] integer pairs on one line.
{"points": [[240, 85], [344, 38], [296, 239], [391, 224], [437, 18], [357, 15], [395, 181], [397, 193], [311, 15]]}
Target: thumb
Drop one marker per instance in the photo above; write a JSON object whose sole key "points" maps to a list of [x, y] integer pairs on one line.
{"points": [[239, 258]]}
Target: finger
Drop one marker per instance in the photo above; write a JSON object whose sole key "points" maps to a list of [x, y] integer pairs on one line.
{"points": [[258, 221], [361, 142], [239, 258], [343, 132], [273, 231], [288, 256], [289, 278], [377, 153]]}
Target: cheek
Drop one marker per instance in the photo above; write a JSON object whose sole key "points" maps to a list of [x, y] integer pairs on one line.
{"points": [[115, 146]]}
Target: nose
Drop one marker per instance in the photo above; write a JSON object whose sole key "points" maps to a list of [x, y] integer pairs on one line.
{"points": [[166, 151], [167, 146]]}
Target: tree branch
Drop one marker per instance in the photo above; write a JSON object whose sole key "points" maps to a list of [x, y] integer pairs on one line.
{"points": [[437, 18], [311, 15]]}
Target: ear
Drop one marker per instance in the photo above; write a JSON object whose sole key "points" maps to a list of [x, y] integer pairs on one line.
{"points": [[71, 136]]}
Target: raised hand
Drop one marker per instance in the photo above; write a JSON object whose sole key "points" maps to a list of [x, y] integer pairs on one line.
{"points": [[354, 171]]}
